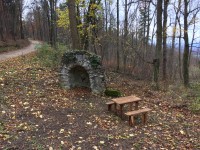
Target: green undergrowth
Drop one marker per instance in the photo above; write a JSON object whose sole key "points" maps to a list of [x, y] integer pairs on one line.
{"points": [[185, 97], [195, 105], [195, 97], [2, 100], [48, 56], [113, 93]]}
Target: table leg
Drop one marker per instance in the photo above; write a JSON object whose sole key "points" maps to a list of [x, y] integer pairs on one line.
{"points": [[131, 107], [115, 105], [132, 120], [121, 110], [136, 105], [145, 118]]}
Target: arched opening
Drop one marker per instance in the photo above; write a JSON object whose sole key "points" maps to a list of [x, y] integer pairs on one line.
{"points": [[82, 69], [79, 77]]}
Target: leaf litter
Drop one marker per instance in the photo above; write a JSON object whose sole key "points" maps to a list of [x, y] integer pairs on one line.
{"points": [[37, 113]]}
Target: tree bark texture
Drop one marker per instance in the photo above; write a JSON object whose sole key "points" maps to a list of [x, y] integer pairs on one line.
{"points": [[73, 25], [166, 2], [158, 43], [117, 35], [186, 46]]}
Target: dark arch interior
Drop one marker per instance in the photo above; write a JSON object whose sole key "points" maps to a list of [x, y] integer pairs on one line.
{"points": [[79, 77]]}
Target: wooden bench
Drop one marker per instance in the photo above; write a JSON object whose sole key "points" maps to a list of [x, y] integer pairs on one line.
{"points": [[132, 114], [110, 103], [128, 100]]}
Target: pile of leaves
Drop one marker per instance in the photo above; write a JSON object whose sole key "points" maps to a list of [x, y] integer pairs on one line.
{"points": [[37, 113]]}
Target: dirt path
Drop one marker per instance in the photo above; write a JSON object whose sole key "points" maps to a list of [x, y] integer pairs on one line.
{"points": [[19, 52]]}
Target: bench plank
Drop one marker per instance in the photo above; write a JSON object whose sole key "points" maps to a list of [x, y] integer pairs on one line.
{"points": [[135, 112], [125, 100], [143, 112], [110, 103]]}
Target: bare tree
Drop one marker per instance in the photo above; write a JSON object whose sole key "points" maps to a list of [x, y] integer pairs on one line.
{"points": [[125, 33], [73, 25], [186, 46], [118, 35], [174, 30], [166, 2], [53, 23], [158, 42]]}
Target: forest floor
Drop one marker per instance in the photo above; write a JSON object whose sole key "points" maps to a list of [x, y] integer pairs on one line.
{"points": [[37, 113]]}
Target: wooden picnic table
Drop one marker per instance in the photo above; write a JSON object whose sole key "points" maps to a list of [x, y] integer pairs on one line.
{"points": [[121, 101]]}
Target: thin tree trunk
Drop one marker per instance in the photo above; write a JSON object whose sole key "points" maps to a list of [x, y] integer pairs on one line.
{"points": [[125, 34], [1, 21], [158, 43], [171, 54], [73, 25], [106, 14], [21, 22], [193, 36], [117, 35], [148, 27], [165, 40], [53, 23], [179, 51], [186, 48]]}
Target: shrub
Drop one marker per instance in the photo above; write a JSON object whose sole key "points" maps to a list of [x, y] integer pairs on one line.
{"points": [[112, 93], [48, 56]]}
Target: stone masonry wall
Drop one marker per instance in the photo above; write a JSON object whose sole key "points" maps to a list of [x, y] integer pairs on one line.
{"points": [[80, 68]]}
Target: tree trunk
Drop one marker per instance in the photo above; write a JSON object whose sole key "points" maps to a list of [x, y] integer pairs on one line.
{"points": [[186, 48], [21, 22], [171, 54], [73, 25], [179, 51], [106, 15], [165, 40], [117, 35], [1, 21], [125, 34], [158, 43], [148, 27], [53, 23]]}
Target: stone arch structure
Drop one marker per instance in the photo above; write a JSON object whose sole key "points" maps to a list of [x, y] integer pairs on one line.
{"points": [[82, 69]]}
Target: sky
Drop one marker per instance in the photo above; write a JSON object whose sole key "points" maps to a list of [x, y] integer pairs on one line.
{"points": [[28, 2]]}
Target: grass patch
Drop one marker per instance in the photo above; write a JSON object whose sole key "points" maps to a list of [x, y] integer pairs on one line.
{"points": [[2, 99], [1, 127], [195, 94], [112, 93], [195, 73], [195, 105]]}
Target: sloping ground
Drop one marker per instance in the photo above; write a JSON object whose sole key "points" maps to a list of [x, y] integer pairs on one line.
{"points": [[12, 45], [36, 113], [23, 51]]}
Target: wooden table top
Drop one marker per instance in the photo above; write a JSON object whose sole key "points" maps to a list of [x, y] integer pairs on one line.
{"points": [[127, 99]]}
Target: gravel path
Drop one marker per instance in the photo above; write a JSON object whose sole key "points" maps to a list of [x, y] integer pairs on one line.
{"points": [[19, 52]]}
